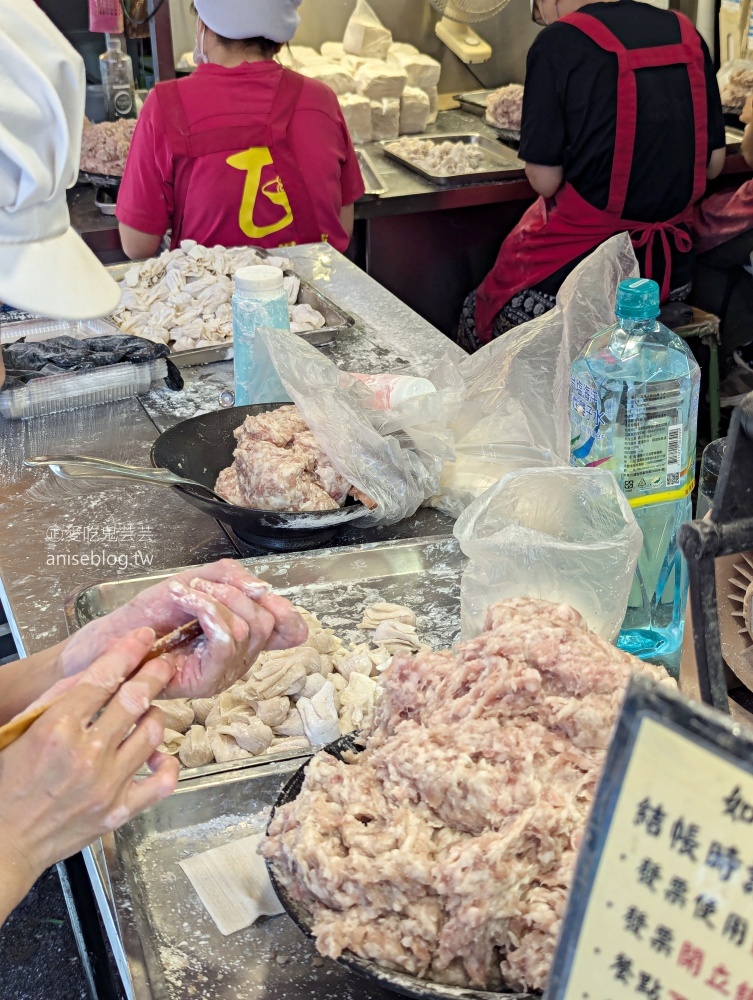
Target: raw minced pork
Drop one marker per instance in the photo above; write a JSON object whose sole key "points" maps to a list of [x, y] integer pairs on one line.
{"points": [[446, 848], [278, 465]]}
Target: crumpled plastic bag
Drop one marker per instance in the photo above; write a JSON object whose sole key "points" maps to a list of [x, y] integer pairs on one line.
{"points": [[365, 35], [516, 413], [735, 80], [563, 535], [393, 457]]}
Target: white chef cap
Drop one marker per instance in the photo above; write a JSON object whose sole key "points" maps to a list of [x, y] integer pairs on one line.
{"points": [[44, 266], [276, 20]]}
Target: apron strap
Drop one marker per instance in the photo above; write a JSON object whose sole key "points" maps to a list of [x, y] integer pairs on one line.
{"points": [[187, 146], [178, 133], [292, 177], [688, 53]]}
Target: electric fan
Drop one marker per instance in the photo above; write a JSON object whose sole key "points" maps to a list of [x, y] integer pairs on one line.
{"points": [[454, 30]]}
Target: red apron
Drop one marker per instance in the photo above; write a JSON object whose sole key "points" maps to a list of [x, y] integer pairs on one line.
{"points": [[188, 143], [555, 231]]}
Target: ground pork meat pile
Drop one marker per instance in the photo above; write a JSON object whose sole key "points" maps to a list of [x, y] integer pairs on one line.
{"points": [[504, 108], [279, 466], [105, 145], [446, 848]]}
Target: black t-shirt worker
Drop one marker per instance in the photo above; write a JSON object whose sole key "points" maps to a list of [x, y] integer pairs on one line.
{"points": [[622, 126]]}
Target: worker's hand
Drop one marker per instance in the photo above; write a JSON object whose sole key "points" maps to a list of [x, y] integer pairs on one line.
{"points": [[70, 777], [238, 615], [747, 116]]}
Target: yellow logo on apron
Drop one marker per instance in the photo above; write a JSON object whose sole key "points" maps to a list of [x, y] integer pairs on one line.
{"points": [[253, 161]]}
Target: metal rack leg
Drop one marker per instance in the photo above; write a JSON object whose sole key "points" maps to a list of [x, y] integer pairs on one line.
{"points": [[84, 917]]}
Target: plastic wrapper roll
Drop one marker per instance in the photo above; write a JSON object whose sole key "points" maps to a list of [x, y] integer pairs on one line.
{"points": [[563, 535], [393, 457]]}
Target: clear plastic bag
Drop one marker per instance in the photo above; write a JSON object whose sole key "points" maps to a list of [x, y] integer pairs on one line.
{"points": [[516, 413], [563, 535], [392, 456], [735, 80], [365, 35]]}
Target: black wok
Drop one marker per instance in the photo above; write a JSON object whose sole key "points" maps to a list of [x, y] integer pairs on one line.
{"points": [[201, 447]]}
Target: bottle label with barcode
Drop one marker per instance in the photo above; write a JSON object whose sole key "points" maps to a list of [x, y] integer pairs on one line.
{"points": [[674, 455]]}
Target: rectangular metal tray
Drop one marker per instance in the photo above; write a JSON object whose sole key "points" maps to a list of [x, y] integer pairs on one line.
{"points": [[172, 947], [337, 320], [372, 179], [336, 585], [733, 139], [500, 163], [474, 102]]}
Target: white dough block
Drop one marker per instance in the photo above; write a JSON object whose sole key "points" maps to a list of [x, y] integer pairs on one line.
{"points": [[385, 119], [421, 71], [402, 48], [303, 55], [334, 75], [414, 111], [433, 94], [380, 81], [333, 51], [285, 57], [353, 63], [357, 113], [365, 35]]}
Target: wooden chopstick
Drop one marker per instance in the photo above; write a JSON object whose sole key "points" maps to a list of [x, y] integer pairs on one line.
{"points": [[11, 731]]}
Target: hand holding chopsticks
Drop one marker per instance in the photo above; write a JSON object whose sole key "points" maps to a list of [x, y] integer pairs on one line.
{"points": [[238, 614], [71, 776], [10, 732]]}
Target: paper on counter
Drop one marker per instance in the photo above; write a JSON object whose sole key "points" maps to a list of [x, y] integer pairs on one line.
{"points": [[233, 884]]}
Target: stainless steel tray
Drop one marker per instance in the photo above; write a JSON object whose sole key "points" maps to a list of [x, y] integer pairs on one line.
{"points": [[474, 101], [733, 138], [336, 585], [337, 320], [499, 163], [172, 947], [372, 179]]}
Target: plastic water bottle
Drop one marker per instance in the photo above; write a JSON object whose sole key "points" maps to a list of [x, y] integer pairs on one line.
{"points": [[259, 300], [634, 410], [116, 70]]}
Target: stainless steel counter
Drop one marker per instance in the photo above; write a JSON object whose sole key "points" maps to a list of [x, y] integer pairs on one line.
{"points": [[57, 536]]}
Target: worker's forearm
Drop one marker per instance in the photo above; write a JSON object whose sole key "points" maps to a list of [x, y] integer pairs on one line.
{"points": [[23, 681], [17, 877], [747, 145]]}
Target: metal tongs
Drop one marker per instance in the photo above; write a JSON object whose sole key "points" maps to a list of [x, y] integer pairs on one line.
{"points": [[86, 467]]}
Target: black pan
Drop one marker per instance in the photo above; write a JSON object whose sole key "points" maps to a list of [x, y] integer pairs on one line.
{"points": [[200, 448], [397, 982]]}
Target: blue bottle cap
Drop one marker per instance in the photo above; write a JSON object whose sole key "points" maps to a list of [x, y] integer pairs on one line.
{"points": [[637, 298]]}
